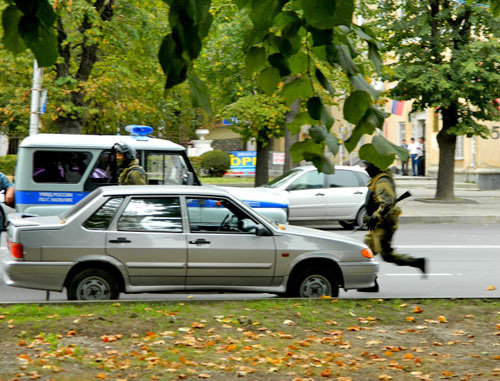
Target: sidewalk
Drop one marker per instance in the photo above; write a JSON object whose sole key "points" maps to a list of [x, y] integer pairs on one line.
{"points": [[473, 206]]}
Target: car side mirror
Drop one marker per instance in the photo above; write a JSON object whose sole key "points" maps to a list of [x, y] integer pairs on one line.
{"points": [[188, 178]]}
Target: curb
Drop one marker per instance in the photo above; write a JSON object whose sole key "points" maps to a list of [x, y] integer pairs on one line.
{"points": [[449, 219]]}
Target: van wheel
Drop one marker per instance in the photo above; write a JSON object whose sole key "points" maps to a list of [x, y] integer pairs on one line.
{"points": [[314, 282], [93, 284]]}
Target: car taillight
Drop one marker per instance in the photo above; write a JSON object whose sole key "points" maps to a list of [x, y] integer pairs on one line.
{"points": [[16, 249], [367, 253]]}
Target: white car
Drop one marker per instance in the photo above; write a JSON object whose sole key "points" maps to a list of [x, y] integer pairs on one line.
{"points": [[317, 199]]}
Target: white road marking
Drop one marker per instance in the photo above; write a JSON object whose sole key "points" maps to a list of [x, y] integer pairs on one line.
{"points": [[449, 246], [437, 274]]}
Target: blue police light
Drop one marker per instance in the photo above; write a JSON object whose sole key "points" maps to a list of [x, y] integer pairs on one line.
{"points": [[138, 130]]}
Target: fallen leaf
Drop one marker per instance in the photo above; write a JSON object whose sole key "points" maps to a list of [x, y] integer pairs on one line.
{"points": [[418, 310], [442, 319], [410, 318], [289, 322], [326, 373], [491, 288]]}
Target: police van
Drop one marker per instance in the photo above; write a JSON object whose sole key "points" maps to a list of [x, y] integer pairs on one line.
{"points": [[55, 171]]}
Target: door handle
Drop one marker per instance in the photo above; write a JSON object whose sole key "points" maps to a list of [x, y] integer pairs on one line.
{"points": [[120, 240], [199, 241], [358, 192], [319, 194]]}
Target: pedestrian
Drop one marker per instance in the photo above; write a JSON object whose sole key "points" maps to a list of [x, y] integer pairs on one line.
{"points": [[413, 149], [421, 156], [382, 218], [8, 197], [129, 170], [404, 163]]}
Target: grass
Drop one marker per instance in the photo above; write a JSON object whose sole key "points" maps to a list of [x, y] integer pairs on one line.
{"points": [[227, 180], [277, 339]]}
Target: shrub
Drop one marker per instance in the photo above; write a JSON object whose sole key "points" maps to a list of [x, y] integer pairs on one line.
{"points": [[8, 164], [196, 163], [215, 163]]}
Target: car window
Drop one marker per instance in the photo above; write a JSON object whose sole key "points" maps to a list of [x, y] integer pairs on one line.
{"points": [[59, 166], [101, 219], [309, 180], [152, 214], [165, 168], [278, 181], [215, 215], [342, 178]]}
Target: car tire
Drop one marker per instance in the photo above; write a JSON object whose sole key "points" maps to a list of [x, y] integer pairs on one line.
{"points": [[314, 282], [93, 284], [359, 219], [348, 225]]}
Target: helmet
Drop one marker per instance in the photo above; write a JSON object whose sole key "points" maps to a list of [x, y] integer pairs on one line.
{"points": [[127, 151], [370, 168]]}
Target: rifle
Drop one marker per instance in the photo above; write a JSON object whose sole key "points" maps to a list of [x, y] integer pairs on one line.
{"points": [[405, 195]]}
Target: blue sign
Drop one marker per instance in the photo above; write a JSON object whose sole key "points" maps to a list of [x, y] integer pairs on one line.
{"points": [[243, 162], [49, 197]]}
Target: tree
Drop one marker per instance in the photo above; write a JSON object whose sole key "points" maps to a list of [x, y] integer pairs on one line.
{"points": [[261, 118], [273, 51], [447, 55]]}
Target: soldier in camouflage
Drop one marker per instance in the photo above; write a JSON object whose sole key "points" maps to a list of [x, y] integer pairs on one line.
{"points": [[382, 218], [130, 172]]}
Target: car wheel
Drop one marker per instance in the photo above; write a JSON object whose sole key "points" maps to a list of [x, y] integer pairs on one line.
{"points": [[359, 219], [314, 283], [348, 225], [93, 284]]}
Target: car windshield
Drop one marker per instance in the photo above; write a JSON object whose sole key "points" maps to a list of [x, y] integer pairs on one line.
{"points": [[278, 181], [81, 204]]}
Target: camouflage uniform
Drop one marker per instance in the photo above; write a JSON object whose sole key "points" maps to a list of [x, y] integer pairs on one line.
{"points": [[132, 174], [381, 205]]}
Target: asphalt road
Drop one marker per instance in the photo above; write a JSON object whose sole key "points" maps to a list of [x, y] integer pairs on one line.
{"points": [[463, 262]]}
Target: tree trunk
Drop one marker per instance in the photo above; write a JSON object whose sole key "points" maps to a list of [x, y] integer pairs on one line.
{"points": [[289, 140], [447, 143], [262, 167]]}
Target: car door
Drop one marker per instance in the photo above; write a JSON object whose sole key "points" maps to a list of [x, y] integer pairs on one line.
{"points": [[307, 197], [220, 250], [149, 239], [345, 195]]}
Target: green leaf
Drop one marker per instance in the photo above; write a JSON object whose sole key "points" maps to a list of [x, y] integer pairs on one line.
{"points": [[41, 40], [11, 38], [301, 119], [359, 83], [268, 80], [45, 13], [374, 56], [320, 134], [174, 65], [356, 105], [279, 62], [369, 153], [298, 88], [321, 37], [385, 147], [325, 14], [325, 83], [298, 63], [199, 93], [241, 3], [345, 59], [362, 128], [263, 12], [255, 60], [318, 111]]}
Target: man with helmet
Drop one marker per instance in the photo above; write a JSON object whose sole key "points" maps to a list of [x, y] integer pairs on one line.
{"points": [[382, 218], [129, 170]]}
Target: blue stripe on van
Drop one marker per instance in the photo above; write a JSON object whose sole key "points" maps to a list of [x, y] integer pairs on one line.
{"points": [[49, 197], [263, 204]]}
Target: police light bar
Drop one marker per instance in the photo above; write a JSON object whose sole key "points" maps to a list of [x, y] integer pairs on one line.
{"points": [[138, 130]]}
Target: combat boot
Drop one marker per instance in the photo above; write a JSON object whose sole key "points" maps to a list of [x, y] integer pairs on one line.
{"points": [[421, 264]]}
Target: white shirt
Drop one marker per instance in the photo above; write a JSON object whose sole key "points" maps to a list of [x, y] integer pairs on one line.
{"points": [[413, 148]]}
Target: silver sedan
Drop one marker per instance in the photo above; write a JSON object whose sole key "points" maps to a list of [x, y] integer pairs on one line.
{"points": [[316, 199], [137, 239]]}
